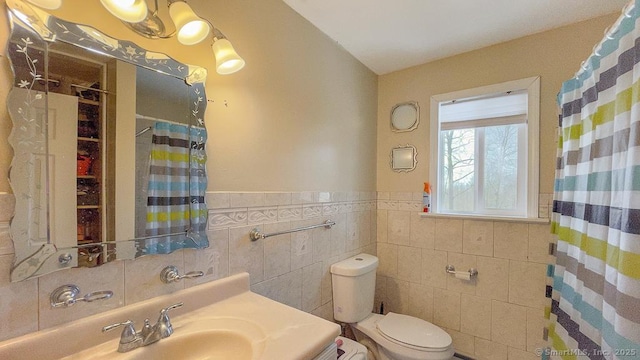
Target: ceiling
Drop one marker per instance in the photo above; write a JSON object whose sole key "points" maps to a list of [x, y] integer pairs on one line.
{"points": [[390, 35]]}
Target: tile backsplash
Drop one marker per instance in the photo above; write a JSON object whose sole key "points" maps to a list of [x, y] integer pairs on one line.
{"points": [[497, 316], [291, 268]]}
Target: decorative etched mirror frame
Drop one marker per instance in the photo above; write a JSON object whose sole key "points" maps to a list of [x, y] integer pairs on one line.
{"points": [[31, 31], [405, 116], [404, 158]]}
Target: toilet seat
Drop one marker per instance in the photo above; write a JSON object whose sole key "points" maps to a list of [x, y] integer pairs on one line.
{"points": [[413, 333]]}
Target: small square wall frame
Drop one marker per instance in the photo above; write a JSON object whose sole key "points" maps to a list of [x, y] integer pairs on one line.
{"points": [[404, 158]]}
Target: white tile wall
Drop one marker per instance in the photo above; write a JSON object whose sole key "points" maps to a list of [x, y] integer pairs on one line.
{"points": [[449, 235], [475, 316], [292, 268], [499, 315], [509, 324], [477, 237], [510, 240], [421, 301], [446, 308], [489, 350]]}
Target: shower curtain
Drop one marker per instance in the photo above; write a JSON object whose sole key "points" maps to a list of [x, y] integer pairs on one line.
{"points": [[177, 185], [595, 292]]}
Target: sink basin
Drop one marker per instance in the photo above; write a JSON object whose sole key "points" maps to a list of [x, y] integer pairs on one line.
{"points": [[196, 346], [194, 338], [206, 338]]}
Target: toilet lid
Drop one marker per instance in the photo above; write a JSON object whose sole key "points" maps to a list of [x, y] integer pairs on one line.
{"points": [[413, 331]]}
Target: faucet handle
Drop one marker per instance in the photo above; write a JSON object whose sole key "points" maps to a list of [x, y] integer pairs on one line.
{"points": [[171, 307], [164, 323], [128, 331], [129, 339]]}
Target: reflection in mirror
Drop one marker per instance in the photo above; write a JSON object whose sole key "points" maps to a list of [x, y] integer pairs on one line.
{"points": [[82, 199]]}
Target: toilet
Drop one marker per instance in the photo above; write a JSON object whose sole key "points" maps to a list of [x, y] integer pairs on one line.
{"points": [[387, 337]]}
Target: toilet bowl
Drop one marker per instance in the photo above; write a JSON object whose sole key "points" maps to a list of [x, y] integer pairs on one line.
{"points": [[402, 337], [387, 337]]}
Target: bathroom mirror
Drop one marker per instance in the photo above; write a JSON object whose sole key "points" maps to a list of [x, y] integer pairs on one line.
{"points": [[82, 105], [405, 116], [404, 158]]}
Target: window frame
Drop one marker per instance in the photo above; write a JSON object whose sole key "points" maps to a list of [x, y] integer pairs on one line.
{"points": [[532, 87]]}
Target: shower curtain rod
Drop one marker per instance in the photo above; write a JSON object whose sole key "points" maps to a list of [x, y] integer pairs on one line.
{"points": [[144, 117], [608, 35], [143, 131]]}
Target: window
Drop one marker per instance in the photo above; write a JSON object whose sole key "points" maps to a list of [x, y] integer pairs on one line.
{"points": [[484, 146]]}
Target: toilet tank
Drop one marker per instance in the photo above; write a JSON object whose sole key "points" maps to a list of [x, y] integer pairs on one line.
{"points": [[354, 284]]}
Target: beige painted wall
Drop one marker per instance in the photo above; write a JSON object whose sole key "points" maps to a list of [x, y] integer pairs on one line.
{"points": [[499, 315], [553, 55], [292, 138], [300, 116]]}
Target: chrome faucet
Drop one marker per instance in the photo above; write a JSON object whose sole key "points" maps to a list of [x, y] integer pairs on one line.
{"points": [[131, 339]]}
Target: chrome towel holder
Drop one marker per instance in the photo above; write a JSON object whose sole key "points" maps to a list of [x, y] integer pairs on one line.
{"points": [[69, 295], [255, 234]]}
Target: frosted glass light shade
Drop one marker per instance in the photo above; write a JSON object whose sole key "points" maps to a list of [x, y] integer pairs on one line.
{"points": [[190, 28], [47, 4], [132, 11], [227, 59]]}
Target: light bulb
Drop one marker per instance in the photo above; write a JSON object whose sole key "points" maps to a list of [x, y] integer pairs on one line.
{"points": [[132, 11], [227, 59], [124, 3], [191, 29]]}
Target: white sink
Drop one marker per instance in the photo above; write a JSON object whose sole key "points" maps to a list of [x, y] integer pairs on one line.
{"points": [[215, 344], [219, 320], [193, 339]]}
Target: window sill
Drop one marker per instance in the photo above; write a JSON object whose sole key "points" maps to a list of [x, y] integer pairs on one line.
{"points": [[489, 218]]}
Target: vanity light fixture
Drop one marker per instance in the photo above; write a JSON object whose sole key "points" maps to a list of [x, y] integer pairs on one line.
{"points": [[190, 29], [47, 4]]}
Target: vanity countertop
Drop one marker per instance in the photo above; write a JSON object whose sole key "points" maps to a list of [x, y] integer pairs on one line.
{"points": [[288, 332]]}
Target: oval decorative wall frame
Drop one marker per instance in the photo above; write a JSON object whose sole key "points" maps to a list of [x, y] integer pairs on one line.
{"points": [[405, 116]]}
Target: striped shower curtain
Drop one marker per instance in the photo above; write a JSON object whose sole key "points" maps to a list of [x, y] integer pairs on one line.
{"points": [[177, 183], [595, 292]]}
